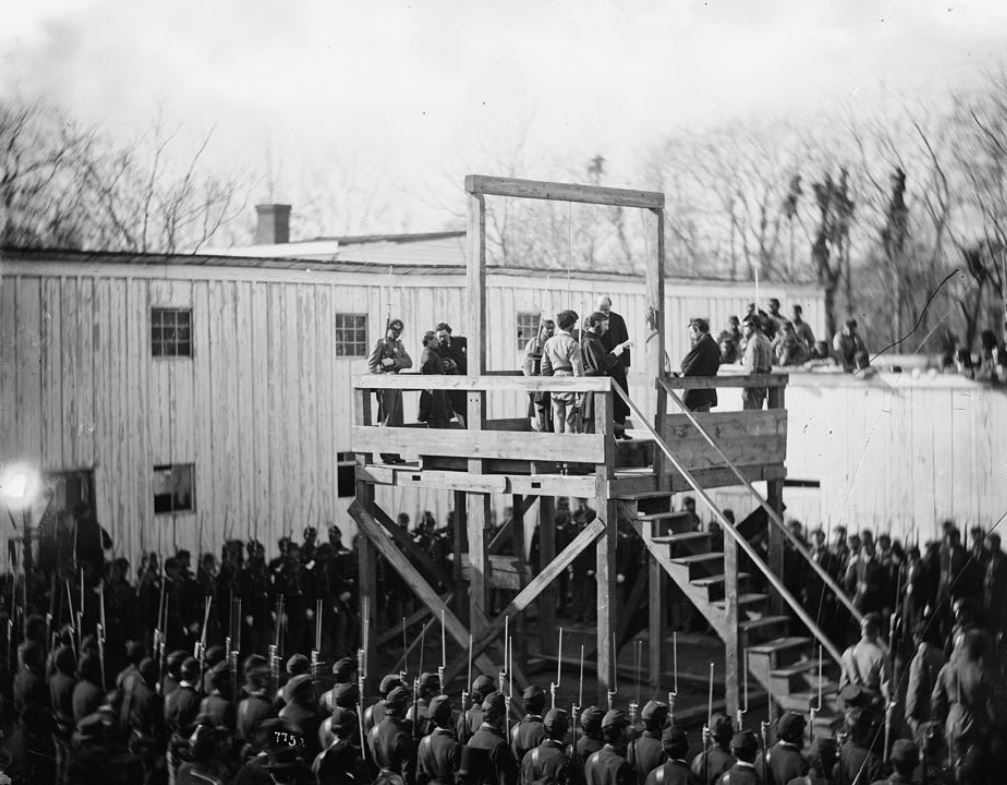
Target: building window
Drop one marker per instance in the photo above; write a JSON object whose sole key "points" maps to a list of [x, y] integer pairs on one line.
{"points": [[527, 328], [171, 332], [351, 335], [174, 488]]}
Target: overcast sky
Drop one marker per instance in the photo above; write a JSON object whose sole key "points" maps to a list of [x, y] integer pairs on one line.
{"points": [[413, 94]]}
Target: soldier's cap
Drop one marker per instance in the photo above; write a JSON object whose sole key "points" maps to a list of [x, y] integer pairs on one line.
{"points": [[590, 718], [90, 728], [654, 711], [389, 683], [220, 674], [791, 726], [299, 687], [398, 698], [439, 709], [310, 531], [176, 658], [531, 692], [745, 740], [215, 654], [395, 324], [190, 670], [257, 678], [343, 718], [723, 728], [482, 686], [202, 737], [904, 752], [298, 664], [345, 695], [495, 703], [556, 718], [674, 736], [614, 718], [429, 681], [344, 668], [284, 742]]}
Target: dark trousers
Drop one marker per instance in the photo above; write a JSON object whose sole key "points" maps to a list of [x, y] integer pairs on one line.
{"points": [[620, 411]]}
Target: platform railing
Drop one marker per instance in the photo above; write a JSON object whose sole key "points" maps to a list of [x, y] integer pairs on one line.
{"points": [[670, 386], [730, 528]]}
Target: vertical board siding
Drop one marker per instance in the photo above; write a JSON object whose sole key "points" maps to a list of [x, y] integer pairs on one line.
{"points": [[263, 406]]}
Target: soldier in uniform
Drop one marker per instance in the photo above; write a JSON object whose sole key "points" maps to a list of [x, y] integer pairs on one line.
{"points": [[820, 764], [904, 759], [924, 668], [530, 731], [590, 740], [343, 671], [391, 739], [470, 719], [216, 709], [710, 764], [257, 706], [429, 686], [857, 762], [200, 768], [301, 712], [180, 711], [491, 761], [342, 696], [340, 762], [607, 766], [783, 761], [539, 407], [87, 694], [548, 762], [439, 753], [647, 752], [676, 770], [254, 591], [744, 748], [61, 686], [376, 711]]}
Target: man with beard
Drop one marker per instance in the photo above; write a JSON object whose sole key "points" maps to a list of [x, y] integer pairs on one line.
{"points": [[598, 361], [616, 335], [454, 352]]}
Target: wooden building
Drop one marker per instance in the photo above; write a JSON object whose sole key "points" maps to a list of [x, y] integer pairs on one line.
{"points": [[229, 377]]}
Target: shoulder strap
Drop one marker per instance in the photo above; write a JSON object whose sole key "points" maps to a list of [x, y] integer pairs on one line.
{"points": [[631, 753], [535, 755]]}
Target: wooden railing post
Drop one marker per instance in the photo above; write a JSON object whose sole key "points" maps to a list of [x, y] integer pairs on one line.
{"points": [[774, 496], [547, 552], [732, 644], [367, 564]]}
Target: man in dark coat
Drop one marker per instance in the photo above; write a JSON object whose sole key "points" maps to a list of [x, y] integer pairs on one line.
{"points": [[391, 739], [617, 334], [590, 740], [744, 748], [340, 762], [548, 761], [87, 693], [995, 588], [454, 352], [439, 754], [490, 759], [703, 359], [608, 766], [472, 718], [676, 770], [715, 761], [530, 731], [647, 752], [783, 761], [598, 360]]}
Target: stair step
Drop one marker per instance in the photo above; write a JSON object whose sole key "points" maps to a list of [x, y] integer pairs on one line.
{"points": [[698, 558], [684, 537], [766, 621], [713, 580], [778, 645], [796, 668], [662, 516], [744, 600], [642, 495], [801, 701]]}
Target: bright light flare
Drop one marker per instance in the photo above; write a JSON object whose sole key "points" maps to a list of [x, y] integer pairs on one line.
{"points": [[19, 486]]}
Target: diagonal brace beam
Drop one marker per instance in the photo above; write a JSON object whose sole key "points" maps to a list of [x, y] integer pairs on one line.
{"points": [[501, 534], [413, 551], [528, 594]]}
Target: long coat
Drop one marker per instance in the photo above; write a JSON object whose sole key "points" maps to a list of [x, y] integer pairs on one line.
{"points": [[703, 359]]}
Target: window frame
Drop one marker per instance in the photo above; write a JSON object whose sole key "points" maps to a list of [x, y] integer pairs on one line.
{"points": [[157, 323], [340, 335], [522, 342], [173, 468]]}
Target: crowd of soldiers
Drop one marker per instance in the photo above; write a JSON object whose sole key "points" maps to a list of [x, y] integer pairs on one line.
{"points": [[141, 682]]}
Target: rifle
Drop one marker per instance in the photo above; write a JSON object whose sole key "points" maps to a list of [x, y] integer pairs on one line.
{"points": [[575, 709], [763, 737], [362, 674], [815, 708], [559, 669], [317, 651], [80, 615], [200, 652], [275, 651], [744, 711], [615, 676], [673, 695], [444, 655], [233, 645], [101, 633], [465, 692], [634, 706], [707, 730]]}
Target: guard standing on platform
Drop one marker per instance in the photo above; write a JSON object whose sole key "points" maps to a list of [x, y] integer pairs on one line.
{"points": [[439, 754], [548, 762], [390, 356], [608, 766], [539, 408]]}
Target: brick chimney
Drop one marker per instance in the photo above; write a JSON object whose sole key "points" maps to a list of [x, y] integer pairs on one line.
{"points": [[273, 225]]}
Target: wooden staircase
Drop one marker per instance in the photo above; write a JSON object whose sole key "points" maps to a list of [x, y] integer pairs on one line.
{"points": [[788, 666]]}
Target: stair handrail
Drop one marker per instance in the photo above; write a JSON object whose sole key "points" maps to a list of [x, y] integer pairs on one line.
{"points": [[773, 515], [727, 526]]}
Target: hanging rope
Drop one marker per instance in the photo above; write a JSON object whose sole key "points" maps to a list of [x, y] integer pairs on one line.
{"points": [[569, 252]]}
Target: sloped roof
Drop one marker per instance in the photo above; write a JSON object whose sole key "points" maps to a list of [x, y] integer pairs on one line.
{"points": [[415, 249]]}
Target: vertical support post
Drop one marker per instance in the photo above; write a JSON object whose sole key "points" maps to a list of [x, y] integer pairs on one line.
{"points": [[476, 281], [654, 354], [774, 496], [459, 543], [731, 634], [658, 613], [367, 564], [547, 602], [605, 575], [518, 540], [478, 514]]}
